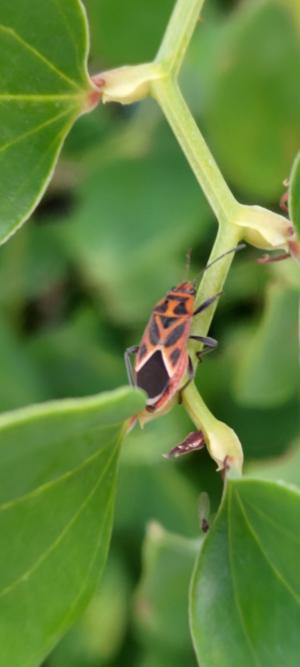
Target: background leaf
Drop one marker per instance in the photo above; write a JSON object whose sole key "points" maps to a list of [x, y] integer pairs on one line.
{"points": [[252, 109], [117, 212], [245, 598], [113, 24], [78, 282], [97, 636], [268, 373], [161, 599], [294, 194], [41, 95], [56, 515], [286, 468]]}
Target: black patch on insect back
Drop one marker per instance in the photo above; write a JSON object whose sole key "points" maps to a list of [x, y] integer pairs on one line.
{"points": [[162, 307], [167, 321], [142, 351], [175, 335], [175, 356], [153, 332], [153, 377], [180, 308], [174, 297]]}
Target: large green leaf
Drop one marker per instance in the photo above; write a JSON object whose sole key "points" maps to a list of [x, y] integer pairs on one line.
{"points": [[44, 86], [245, 597], [58, 468]]}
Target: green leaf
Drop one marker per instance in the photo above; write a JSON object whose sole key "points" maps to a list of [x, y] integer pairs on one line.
{"points": [[117, 215], [162, 596], [58, 469], [31, 265], [44, 87], [264, 430], [21, 382], [252, 112], [268, 373], [78, 357], [286, 468], [245, 595], [114, 22], [294, 194], [158, 488], [96, 639]]}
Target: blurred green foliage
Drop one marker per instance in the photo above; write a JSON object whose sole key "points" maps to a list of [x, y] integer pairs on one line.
{"points": [[78, 282]]}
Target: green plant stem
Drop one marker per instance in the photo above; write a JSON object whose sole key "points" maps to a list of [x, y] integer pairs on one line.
{"points": [[226, 209], [214, 186], [195, 406], [178, 33], [214, 278], [221, 199]]}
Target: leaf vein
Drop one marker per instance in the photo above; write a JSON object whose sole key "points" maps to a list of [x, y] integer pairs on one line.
{"points": [[277, 526], [26, 575], [34, 130], [234, 586], [68, 615], [28, 97], [39, 56], [272, 566], [52, 483]]}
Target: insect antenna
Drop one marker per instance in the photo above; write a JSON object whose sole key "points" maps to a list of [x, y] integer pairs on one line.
{"points": [[188, 258], [237, 248]]}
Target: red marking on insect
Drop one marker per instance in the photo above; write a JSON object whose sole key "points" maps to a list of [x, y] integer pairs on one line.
{"points": [[162, 358], [162, 365]]}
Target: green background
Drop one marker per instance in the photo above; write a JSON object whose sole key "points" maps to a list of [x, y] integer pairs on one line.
{"points": [[78, 282]]}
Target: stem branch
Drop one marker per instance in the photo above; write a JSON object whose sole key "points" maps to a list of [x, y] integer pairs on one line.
{"points": [[179, 33], [187, 133]]}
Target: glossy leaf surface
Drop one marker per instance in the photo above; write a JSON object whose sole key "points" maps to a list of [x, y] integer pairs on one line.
{"points": [[41, 95], [58, 474], [245, 597]]}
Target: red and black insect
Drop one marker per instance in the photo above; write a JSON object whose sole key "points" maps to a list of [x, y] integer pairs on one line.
{"points": [[162, 361]]}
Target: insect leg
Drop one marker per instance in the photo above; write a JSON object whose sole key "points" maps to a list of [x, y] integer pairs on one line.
{"points": [[191, 443], [130, 373], [207, 303], [209, 344], [237, 248]]}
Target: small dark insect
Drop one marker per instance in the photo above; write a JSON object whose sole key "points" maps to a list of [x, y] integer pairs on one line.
{"points": [[162, 361]]}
